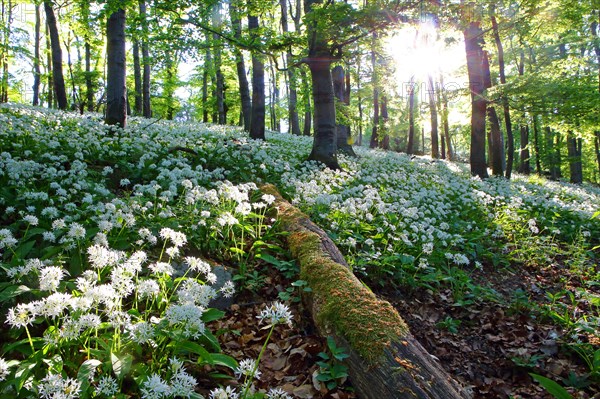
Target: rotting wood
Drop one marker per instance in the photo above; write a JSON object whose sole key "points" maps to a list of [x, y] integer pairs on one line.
{"points": [[385, 360]]}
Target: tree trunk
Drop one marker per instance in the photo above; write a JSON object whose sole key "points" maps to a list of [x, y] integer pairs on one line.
{"points": [[411, 116], [343, 131], [205, 78], [220, 81], [293, 123], [435, 149], [170, 83], [245, 101], [510, 141], [359, 100], [474, 49], [116, 89], [574, 151], [375, 131], [496, 140], [137, 78], [536, 145], [306, 131], [257, 123], [385, 361], [36, 58], [597, 51], [597, 147], [7, 18], [524, 167], [146, 106], [445, 123], [49, 68], [384, 118], [275, 125], [57, 73]]}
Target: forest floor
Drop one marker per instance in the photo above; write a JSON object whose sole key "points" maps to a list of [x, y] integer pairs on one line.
{"points": [[489, 346], [492, 347]]}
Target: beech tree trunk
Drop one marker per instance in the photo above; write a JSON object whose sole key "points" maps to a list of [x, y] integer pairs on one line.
{"points": [[37, 74], [116, 89], [411, 116], [137, 78], [293, 123], [257, 123], [341, 93], [435, 148], [510, 141], [386, 361], [536, 145], [57, 72], [574, 151], [307, 129], [496, 141], [474, 49], [375, 130], [445, 123], [246, 102], [384, 118], [146, 106], [524, 167], [49, 68]]}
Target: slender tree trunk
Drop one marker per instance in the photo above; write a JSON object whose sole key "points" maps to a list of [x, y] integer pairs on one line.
{"points": [[411, 116], [574, 151], [116, 89], [595, 25], [510, 141], [445, 123], [306, 131], [49, 68], [384, 118], [146, 105], [340, 91], [375, 131], [205, 79], [524, 167], [274, 99], [359, 100], [246, 103], [7, 17], [536, 145], [220, 81], [474, 49], [57, 73], [36, 58], [293, 123], [257, 123], [170, 83], [137, 78], [435, 150], [495, 136]]}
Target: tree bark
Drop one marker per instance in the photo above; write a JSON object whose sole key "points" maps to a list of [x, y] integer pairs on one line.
{"points": [[474, 50], [7, 10], [340, 91], [510, 141], [496, 140], [384, 119], [137, 78], [37, 74], [49, 68], [205, 78], [245, 101], [375, 130], [57, 72], [435, 148], [524, 167], [116, 89], [536, 145], [445, 123], [293, 123], [146, 105], [385, 361], [411, 116], [574, 151], [257, 123], [306, 131]]}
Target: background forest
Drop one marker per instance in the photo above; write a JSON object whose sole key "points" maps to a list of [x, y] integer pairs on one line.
{"points": [[532, 67]]}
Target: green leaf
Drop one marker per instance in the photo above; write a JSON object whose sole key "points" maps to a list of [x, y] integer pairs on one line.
{"points": [[12, 291], [224, 360], [552, 387], [86, 370], [204, 357], [23, 250], [121, 365], [212, 315]]}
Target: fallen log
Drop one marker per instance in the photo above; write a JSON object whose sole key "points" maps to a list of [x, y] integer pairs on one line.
{"points": [[386, 361]]}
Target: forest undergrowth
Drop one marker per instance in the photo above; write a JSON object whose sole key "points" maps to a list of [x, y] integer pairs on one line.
{"points": [[133, 268]]}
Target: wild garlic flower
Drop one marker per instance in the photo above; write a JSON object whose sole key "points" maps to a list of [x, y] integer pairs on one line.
{"points": [[4, 369], [20, 316], [107, 386], [155, 388], [162, 268], [246, 368], [50, 278], [228, 289], [277, 313], [141, 333], [182, 384], [147, 288], [188, 317], [32, 220], [54, 386], [178, 239], [224, 393], [277, 393], [195, 293]]}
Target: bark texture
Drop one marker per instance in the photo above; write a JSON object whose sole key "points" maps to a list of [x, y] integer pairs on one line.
{"points": [[343, 95], [240, 66], [116, 90], [257, 123], [57, 72], [385, 360]]}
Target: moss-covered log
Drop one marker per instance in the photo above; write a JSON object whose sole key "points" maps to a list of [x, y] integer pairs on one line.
{"points": [[385, 360]]}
